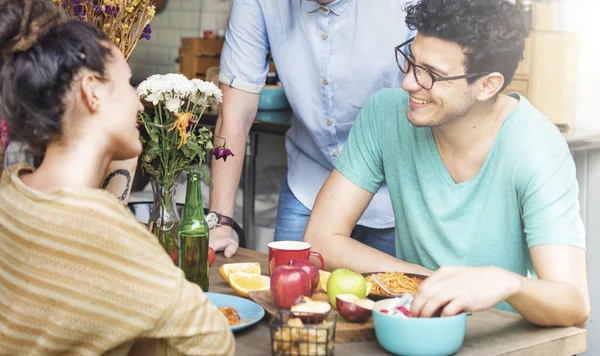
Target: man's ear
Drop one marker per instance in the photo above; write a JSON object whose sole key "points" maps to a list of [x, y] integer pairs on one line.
{"points": [[90, 86], [490, 85]]}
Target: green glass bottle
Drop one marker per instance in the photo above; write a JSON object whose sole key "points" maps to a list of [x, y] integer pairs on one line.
{"points": [[193, 235]]}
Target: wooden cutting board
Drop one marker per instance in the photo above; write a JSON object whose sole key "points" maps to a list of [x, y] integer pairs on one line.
{"points": [[345, 331]]}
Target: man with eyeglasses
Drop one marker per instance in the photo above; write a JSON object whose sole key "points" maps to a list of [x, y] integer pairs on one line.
{"points": [[330, 56], [482, 184]]}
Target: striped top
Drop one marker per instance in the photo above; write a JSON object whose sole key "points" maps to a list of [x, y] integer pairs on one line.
{"points": [[80, 276]]}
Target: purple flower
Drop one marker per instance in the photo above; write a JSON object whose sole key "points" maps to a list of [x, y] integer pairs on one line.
{"points": [[147, 32], [217, 152], [64, 4], [226, 153], [112, 11], [97, 9], [222, 152]]}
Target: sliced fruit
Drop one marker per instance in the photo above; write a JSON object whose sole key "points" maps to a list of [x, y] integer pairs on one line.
{"points": [[353, 308], [403, 310], [229, 268], [323, 278], [242, 283], [310, 311]]}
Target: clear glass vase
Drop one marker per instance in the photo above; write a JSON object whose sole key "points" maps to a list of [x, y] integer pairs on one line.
{"points": [[164, 221]]}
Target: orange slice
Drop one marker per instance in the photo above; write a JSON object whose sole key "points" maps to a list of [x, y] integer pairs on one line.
{"points": [[229, 268], [242, 283]]}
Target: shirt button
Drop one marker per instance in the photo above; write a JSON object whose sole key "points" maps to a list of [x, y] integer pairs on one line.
{"points": [[325, 82], [324, 37], [324, 10], [336, 153], [329, 122]]}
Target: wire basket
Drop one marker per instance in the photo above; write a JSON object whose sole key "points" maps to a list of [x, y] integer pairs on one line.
{"points": [[303, 334]]}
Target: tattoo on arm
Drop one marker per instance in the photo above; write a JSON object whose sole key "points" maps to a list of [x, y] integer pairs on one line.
{"points": [[115, 173]]}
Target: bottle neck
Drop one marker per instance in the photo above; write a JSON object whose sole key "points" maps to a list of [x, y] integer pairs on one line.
{"points": [[193, 198]]}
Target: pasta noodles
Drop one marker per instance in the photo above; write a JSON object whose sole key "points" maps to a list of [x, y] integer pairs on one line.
{"points": [[397, 282]]}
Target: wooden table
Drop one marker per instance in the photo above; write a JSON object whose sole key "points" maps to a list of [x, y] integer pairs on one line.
{"points": [[491, 332]]}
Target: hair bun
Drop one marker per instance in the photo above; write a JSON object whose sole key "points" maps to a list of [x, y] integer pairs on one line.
{"points": [[22, 23]]}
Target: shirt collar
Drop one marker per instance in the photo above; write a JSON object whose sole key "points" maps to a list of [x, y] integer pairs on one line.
{"points": [[337, 7]]}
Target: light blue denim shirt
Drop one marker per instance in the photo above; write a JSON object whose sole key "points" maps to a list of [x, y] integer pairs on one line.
{"points": [[330, 60]]}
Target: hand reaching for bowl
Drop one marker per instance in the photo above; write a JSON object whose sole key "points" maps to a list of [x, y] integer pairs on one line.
{"points": [[453, 290]]}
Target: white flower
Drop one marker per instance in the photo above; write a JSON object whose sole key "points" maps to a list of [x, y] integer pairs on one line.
{"points": [[178, 86], [152, 85], [208, 89], [161, 88], [173, 89], [173, 104], [154, 98]]}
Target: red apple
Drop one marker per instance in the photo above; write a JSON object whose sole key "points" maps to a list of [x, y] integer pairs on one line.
{"points": [[309, 311], [211, 256], [311, 269], [353, 308], [288, 283]]}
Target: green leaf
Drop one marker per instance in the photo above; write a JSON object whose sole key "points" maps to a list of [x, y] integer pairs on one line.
{"points": [[154, 147], [206, 177], [153, 133], [148, 168], [187, 151], [195, 147]]}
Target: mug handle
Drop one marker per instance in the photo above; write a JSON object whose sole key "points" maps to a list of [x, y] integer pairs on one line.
{"points": [[320, 259]]}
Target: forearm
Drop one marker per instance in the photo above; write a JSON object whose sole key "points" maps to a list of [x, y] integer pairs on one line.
{"points": [[235, 120], [338, 206], [225, 176], [118, 178], [548, 303], [192, 323], [344, 252]]}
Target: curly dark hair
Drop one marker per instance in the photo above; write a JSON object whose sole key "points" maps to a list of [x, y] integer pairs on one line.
{"points": [[491, 32], [40, 58]]}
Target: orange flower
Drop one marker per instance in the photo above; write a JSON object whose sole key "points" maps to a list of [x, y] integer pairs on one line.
{"points": [[181, 123]]}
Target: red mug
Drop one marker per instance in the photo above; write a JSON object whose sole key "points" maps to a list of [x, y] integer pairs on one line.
{"points": [[282, 252]]}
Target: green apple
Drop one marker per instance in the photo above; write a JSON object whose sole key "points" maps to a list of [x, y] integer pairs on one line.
{"points": [[345, 281]]}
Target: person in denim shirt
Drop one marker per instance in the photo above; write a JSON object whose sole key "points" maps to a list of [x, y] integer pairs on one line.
{"points": [[330, 57]]}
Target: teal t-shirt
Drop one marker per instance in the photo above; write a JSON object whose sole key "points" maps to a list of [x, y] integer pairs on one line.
{"points": [[525, 194]]}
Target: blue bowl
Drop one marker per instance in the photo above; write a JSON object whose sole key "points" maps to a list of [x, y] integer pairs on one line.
{"points": [[272, 97], [418, 336]]}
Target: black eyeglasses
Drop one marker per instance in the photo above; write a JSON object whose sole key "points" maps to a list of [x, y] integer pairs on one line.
{"points": [[423, 76]]}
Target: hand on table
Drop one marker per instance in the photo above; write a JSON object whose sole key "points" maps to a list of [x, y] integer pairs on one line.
{"points": [[220, 239], [453, 290]]}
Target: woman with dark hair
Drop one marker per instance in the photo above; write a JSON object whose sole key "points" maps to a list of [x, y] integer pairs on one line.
{"points": [[78, 274]]}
